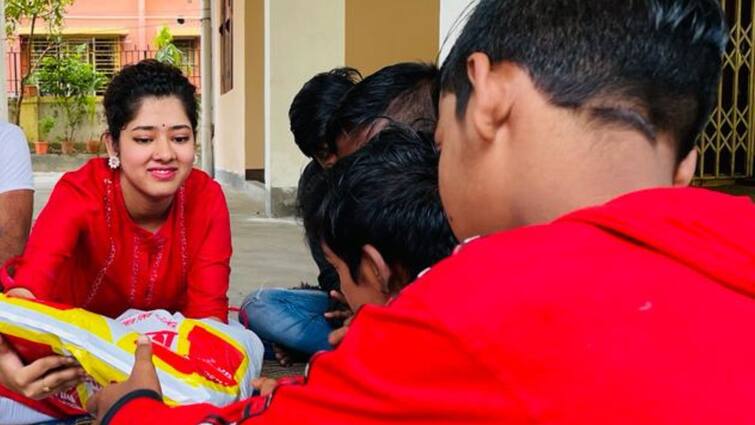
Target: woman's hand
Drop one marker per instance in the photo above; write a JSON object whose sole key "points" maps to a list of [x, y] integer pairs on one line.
{"points": [[42, 378]]}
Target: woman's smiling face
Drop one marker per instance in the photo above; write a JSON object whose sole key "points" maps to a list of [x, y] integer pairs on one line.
{"points": [[157, 148]]}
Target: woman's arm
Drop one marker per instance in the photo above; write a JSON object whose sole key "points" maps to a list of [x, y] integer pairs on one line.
{"points": [[52, 241], [209, 271]]}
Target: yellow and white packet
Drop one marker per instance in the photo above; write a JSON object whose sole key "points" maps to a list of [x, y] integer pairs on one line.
{"points": [[197, 361]]}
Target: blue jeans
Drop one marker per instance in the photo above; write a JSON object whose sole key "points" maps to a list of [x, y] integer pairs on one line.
{"points": [[292, 318]]}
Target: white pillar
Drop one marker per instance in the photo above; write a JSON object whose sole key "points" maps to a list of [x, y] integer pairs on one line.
{"points": [[453, 16], [205, 131], [268, 127]]}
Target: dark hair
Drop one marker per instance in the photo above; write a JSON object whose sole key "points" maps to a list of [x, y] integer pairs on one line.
{"points": [[386, 195], [314, 104], [649, 64], [402, 92], [148, 78], [309, 195]]}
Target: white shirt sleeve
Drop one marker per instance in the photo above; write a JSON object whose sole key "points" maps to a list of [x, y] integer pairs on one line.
{"points": [[15, 160]]}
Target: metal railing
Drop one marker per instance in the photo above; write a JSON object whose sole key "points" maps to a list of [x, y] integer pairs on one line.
{"points": [[727, 146], [15, 65]]}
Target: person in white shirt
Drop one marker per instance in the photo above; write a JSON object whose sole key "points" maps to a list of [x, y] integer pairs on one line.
{"points": [[16, 191], [16, 205]]}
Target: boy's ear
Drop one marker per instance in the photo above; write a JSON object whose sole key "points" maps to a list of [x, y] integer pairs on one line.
{"points": [[373, 270], [492, 95], [685, 171]]}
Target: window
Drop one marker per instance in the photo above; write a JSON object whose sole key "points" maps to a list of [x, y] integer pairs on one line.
{"points": [[101, 52], [226, 46], [189, 47]]}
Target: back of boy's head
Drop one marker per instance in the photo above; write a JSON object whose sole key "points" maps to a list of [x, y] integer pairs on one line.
{"points": [[385, 195], [403, 92], [652, 65], [314, 105]]}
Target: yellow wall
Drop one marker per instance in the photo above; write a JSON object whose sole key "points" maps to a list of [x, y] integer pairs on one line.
{"points": [[254, 21], [380, 33], [306, 37]]}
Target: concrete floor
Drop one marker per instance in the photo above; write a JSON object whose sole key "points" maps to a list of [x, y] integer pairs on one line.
{"points": [[267, 252]]}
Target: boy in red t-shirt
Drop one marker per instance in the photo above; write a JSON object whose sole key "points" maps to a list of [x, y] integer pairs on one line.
{"points": [[605, 292]]}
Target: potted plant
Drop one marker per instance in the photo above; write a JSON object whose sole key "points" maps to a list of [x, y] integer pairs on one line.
{"points": [[31, 86], [45, 127], [31, 90], [73, 83], [66, 147], [93, 144]]}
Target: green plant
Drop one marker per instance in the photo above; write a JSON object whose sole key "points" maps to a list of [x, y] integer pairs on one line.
{"points": [[73, 83], [45, 127], [167, 52], [91, 109], [51, 12]]}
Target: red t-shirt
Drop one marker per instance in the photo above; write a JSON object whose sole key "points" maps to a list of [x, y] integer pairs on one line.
{"points": [[636, 312], [85, 250]]}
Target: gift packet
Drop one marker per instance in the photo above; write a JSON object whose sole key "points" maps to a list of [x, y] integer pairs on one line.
{"points": [[197, 361]]}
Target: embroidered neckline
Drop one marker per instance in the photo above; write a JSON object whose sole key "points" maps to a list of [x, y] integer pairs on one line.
{"points": [[108, 202]]}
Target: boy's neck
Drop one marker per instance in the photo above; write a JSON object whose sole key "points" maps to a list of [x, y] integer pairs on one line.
{"points": [[593, 168]]}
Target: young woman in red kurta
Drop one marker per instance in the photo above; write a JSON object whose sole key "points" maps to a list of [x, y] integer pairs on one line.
{"points": [[87, 251], [142, 229]]}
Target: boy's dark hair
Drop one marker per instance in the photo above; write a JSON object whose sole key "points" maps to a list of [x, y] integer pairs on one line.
{"points": [[314, 104], [649, 64], [386, 195], [403, 92], [148, 78], [309, 193]]}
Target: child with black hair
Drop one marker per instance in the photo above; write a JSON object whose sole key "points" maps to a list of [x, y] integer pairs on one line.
{"points": [[378, 217], [295, 323], [313, 107], [404, 92], [331, 117]]}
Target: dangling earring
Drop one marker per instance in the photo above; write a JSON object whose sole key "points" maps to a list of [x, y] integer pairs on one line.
{"points": [[114, 162]]}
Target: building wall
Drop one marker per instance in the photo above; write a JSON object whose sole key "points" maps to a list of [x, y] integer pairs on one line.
{"points": [[230, 108], [284, 43], [254, 23], [380, 33], [306, 37], [137, 24]]}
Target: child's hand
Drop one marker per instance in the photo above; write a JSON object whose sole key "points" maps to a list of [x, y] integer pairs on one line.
{"points": [[337, 335], [338, 314], [264, 385]]}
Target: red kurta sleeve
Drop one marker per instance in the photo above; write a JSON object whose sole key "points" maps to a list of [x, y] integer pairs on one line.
{"points": [[210, 269], [53, 240]]}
